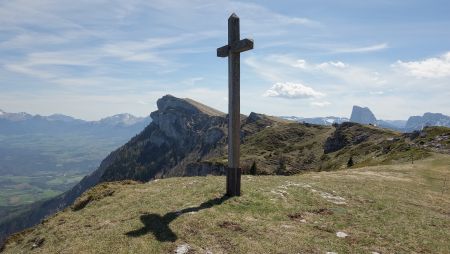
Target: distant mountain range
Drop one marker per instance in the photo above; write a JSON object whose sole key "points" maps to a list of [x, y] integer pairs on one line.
{"points": [[428, 119], [364, 115], [59, 142], [24, 123], [328, 120]]}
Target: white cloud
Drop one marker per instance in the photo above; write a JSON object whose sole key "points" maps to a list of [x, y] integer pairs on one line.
{"points": [[304, 65], [141, 51], [371, 48], [436, 67], [300, 63], [338, 71], [296, 20], [320, 103], [292, 91], [337, 64], [261, 18], [351, 75], [59, 64], [192, 81], [27, 70], [267, 71]]}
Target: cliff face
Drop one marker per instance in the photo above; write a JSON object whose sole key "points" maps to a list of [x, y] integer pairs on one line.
{"points": [[362, 115], [182, 132]]}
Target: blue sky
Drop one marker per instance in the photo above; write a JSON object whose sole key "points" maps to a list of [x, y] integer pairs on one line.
{"points": [[91, 59]]}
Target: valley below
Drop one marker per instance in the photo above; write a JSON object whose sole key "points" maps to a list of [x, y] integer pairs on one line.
{"points": [[42, 157]]}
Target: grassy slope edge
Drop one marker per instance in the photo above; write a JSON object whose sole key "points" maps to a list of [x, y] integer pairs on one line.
{"points": [[388, 208]]}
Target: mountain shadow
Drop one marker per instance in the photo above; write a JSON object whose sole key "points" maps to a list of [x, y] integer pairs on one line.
{"points": [[159, 225]]}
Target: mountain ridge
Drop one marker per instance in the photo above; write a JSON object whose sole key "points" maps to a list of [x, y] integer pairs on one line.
{"points": [[364, 115], [185, 140], [22, 116]]}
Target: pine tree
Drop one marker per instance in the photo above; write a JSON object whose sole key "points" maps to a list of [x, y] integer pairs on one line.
{"points": [[281, 170], [253, 168], [350, 162]]}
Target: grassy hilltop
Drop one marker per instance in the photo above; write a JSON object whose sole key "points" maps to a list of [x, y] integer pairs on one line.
{"points": [[397, 208]]}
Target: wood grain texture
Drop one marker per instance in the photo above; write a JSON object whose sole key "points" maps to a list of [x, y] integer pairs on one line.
{"points": [[232, 51]]}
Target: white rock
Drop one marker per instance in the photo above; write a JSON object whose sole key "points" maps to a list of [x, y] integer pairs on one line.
{"points": [[341, 234], [183, 249]]}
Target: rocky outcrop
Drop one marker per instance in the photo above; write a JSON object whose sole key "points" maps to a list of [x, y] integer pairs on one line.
{"points": [[362, 115], [343, 137], [182, 132]]}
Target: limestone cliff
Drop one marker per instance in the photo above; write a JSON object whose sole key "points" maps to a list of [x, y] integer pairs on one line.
{"points": [[362, 115], [182, 132]]}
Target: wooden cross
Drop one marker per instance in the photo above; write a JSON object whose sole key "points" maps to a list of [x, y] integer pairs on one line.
{"points": [[232, 51]]}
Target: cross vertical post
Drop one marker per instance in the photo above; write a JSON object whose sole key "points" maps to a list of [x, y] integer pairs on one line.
{"points": [[232, 51]]}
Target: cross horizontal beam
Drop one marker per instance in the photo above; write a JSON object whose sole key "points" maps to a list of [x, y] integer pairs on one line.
{"points": [[237, 47]]}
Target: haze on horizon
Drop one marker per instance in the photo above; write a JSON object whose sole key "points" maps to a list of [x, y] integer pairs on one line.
{"points": [[99, 58]]}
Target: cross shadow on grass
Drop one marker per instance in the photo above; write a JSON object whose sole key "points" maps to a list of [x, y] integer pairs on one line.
{"points": [[159, 225]]}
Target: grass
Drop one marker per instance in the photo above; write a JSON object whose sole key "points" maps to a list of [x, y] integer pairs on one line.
{"points": [[400, 208]]}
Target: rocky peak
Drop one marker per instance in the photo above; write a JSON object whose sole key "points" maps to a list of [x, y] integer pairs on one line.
{"points": [[188, 106], [182, 131], [362, 115], [178, 118], [253, 117]]}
